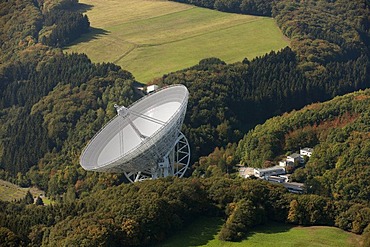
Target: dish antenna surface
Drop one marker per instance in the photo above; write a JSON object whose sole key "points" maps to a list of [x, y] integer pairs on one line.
{"points": [[143, 141]]}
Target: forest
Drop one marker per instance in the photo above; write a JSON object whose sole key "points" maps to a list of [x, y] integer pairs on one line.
{"points": [[52, 103], [146, 213], [339, 132], [250, 7]]}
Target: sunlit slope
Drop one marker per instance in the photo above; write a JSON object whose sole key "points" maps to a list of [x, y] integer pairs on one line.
{"points": [[150, 37]]}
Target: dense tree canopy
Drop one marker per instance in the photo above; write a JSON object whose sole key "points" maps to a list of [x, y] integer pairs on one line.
{"points": [[26, 23], [51, 104], [148, 212], [226, 100], [68, 26], [251, 7], [137, 214]]}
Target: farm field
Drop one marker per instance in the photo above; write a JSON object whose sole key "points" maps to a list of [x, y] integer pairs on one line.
{"points": [[152, 37], [204, 233]]}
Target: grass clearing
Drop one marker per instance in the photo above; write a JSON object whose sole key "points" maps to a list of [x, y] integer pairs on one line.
{"points": [[204, 233], [152, 37], [10, 192]]}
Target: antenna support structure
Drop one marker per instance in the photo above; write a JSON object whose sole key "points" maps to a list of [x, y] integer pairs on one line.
{"points": [[143, 141], [174, 163]]}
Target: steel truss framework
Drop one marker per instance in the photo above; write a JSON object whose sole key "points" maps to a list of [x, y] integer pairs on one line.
{"points": [[174, 163]]}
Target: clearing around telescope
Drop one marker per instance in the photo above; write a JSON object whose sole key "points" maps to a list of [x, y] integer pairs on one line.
{"points": [[143, 141]]}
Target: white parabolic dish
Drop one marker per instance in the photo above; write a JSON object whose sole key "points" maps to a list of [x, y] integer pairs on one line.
{"points": [[136, 141]]}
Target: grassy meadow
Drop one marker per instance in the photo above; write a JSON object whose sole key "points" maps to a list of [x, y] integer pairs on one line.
{"points": [[10, 192], [204, 233], [152, 37]]}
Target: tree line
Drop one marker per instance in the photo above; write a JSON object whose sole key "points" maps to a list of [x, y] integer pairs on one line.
{"points": [[69, 25], [250, 7]]}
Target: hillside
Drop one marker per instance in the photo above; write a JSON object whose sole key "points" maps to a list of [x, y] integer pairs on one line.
{"points": [[338, 130], [11, 192], [151, 38]]}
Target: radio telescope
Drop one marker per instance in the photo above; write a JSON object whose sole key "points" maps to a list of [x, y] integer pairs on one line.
{"points": [[143, 141]]}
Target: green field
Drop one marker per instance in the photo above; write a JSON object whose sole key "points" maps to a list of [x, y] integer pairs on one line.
{"points": [[10, 192], [152, 37], [204, 233]]}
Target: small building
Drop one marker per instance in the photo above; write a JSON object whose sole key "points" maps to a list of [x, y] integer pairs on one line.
{"points": [[151, 88], [271, 171], [285, 163], [276, 179], [286, 177], [295, 158], [306, 152]]}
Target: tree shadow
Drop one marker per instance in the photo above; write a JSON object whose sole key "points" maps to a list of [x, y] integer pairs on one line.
{"points": [[83, 7], [94, 33], [269, 228], [198, 233], [205, 229]]}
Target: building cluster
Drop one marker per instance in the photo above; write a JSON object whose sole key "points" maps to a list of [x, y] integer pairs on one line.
{"points": [[278, 174], [296, 158]]}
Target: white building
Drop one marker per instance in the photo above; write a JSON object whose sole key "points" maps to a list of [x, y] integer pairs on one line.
{"points": [[282, 163], [151, 88], [271, 171], [285, 163], [295, 158], [306, 152], [277, 179], [286, 177]]}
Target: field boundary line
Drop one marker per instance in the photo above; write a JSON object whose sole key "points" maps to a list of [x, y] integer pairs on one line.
{"points": [[127, 52]]}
